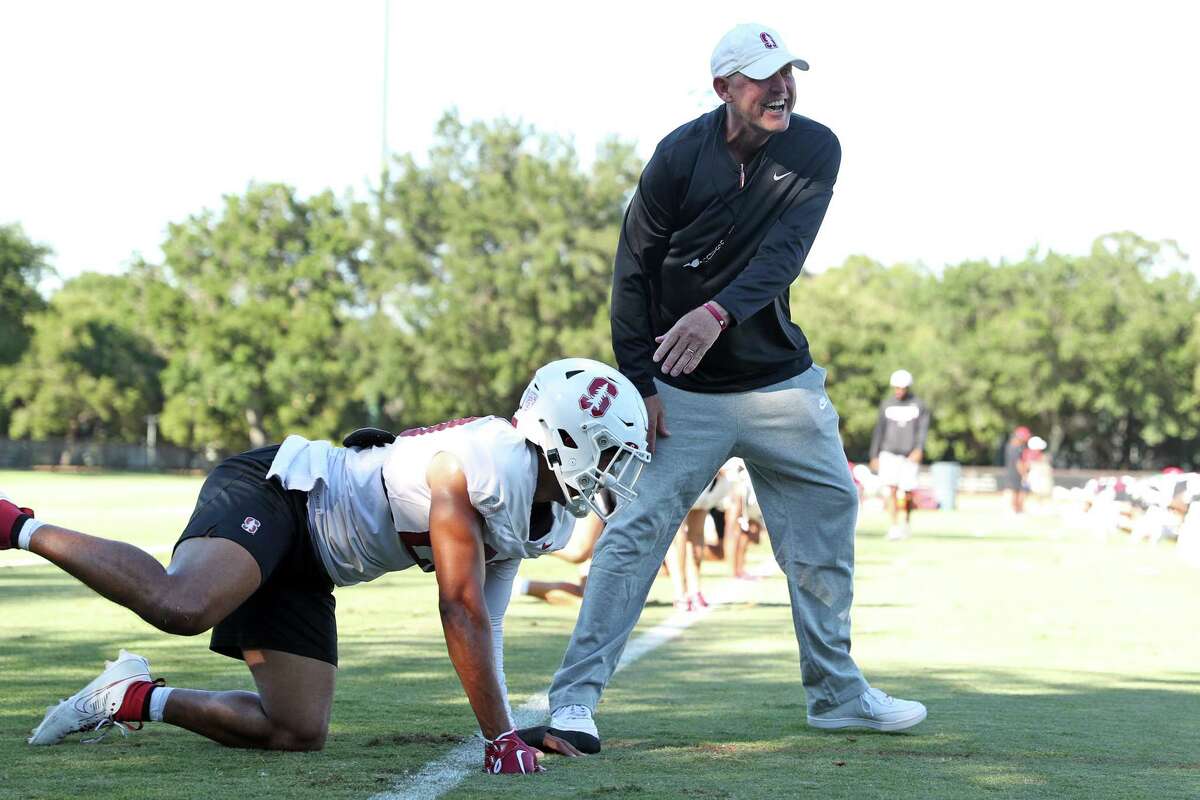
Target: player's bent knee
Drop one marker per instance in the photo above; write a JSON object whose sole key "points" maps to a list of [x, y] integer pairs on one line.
{"points": [[303, 739], [184, 619], [181, 624]]}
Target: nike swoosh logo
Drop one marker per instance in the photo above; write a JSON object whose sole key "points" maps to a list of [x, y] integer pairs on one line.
{"points": [[779, 177]]}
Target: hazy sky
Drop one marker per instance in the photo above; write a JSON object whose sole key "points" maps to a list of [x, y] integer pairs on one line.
{"points": [[969, 129]]}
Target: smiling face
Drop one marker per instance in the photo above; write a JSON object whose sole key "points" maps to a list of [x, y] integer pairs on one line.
{"points": [[757, 108]]}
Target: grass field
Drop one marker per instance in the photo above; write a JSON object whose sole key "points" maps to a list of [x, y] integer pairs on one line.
{"points": [[1053, 666]]}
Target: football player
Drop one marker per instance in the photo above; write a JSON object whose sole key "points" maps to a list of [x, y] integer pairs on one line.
{"points": [[275, 529]]}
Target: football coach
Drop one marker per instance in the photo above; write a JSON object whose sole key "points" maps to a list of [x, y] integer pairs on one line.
{"points": [[724, 215]]}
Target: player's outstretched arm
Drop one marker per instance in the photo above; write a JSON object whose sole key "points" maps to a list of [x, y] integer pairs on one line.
{"points": [[456, 536]]}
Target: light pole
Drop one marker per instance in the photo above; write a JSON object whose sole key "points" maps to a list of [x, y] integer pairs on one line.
{"points": [[387, 27]]}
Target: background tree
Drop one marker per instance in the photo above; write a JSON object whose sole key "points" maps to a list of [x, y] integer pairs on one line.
{"points": [[493, 254], [489, 260], [1097, 352], [23, 264], [270, 286], [90, 371]]}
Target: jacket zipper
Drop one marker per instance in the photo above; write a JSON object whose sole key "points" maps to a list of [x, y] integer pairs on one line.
{"points": [[741, 176]]}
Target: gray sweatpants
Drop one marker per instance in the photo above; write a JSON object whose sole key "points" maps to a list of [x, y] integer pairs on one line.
{"points": [[788, 436]]}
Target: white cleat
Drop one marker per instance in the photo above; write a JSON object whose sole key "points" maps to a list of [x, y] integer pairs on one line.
{"points": [[94, 705], [872, 709]]}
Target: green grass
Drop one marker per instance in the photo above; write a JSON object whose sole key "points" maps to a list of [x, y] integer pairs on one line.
{"points": [[1053, 665]]}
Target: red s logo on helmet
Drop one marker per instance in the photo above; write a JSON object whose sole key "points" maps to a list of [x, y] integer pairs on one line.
{"points": [[600, 394]]}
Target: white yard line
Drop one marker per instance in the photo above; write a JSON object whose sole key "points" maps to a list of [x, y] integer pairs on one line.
{"points": [[440, 776], [41, 562]]}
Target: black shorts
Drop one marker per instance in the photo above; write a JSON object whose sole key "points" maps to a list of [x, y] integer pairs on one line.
{"points": [[293, 609], [719, 520]]}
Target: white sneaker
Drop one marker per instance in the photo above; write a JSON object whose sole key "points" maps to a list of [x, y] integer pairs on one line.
{"points": [[574, 723], [872, 709], [897, 533], [95, 704]]}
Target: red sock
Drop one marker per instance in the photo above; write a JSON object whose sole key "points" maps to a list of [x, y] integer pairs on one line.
{"points": [[135, 706]]}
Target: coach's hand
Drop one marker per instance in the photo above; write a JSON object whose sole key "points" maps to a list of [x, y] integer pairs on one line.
{"points": [[681, 348], [657, 416], [508, 755]]}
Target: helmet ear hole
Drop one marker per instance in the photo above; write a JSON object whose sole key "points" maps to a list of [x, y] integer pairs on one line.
{"points": [[566, 439]]}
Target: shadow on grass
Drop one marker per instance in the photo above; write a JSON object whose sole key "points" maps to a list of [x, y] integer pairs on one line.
{"points": [[927, 537], [991, 729], [775, 604]]}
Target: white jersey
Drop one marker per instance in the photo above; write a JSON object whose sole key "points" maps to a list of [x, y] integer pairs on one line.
{"points": [[723, 487], [744, 487], [368, 510]]}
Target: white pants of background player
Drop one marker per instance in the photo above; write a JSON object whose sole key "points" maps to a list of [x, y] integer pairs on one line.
{"points": [[896, 469]]}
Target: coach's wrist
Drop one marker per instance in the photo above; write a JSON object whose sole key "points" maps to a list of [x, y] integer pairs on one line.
{"points": [[719, 313]]}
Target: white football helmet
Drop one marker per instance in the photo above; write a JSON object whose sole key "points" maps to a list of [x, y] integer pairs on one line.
{"points": [[575, 409]]}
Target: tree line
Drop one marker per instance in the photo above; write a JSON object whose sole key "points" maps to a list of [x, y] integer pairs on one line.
{"points": [[439, 294]]}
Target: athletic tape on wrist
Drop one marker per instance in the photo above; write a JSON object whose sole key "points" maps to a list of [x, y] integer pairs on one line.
{"points": [[26, 533]]}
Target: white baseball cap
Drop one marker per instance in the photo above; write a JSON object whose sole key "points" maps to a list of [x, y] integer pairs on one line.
{"points": [[1037, 443], [754, 50], [901, 379]]}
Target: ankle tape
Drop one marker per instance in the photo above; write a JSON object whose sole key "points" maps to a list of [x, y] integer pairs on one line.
{"points": [[27, 530]]}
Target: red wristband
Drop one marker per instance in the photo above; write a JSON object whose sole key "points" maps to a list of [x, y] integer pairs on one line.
{"points": [[710, 308]]}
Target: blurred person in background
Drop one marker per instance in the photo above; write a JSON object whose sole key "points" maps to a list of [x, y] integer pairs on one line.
{"points": [[687, 550], [578, 551], [744, 524], [897, 447], [1041, 471], [1016, 469]]}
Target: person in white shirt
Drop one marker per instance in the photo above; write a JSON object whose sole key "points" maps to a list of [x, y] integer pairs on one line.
{"points": [[276, 529]]}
